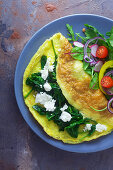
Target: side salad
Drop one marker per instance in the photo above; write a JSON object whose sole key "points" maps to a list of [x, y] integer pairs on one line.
{"points": [[96, 52]]}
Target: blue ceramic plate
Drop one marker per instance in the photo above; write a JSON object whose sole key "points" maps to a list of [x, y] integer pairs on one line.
{"points": [[77, 21]]}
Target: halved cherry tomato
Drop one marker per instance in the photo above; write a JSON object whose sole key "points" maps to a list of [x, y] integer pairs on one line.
{"points": [[102, 52], [107, 82], [106, 65]]}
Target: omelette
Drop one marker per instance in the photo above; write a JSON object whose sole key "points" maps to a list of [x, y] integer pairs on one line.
{"points": [[74, 84]]}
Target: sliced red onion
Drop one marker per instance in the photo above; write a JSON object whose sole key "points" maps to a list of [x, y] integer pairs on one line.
{"points": [[110, 102], [85, 49], [93, 63], [87, 59], [94, 49], [109, 73], [98, 66], [78, 44], [109, 91]]}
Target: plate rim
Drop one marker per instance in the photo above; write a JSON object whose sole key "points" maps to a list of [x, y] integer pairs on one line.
{"points": [[17, 65]]}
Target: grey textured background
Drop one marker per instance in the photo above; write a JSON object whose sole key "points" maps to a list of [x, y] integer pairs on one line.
{"points": [[20, 148]]}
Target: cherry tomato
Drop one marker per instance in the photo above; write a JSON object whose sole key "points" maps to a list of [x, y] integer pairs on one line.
{"points": [[107, 82], [102, 52]]}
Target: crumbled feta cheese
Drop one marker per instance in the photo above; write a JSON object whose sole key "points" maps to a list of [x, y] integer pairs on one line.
{"points": [[50, 105], [44, 74], [45, 100], [51, 68], [47, 68], [100, 127], [87, 127], [42, 98], [59, 49], [64, 107], [47, 86], [40, 85], [65, 116]]}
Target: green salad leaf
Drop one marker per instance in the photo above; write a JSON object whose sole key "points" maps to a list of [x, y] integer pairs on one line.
{"points": [[93, 127], [94, 31], [43, 61], [94, 83], [70, 30]]}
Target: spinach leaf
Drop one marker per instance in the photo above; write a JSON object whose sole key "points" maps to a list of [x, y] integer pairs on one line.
{"points": [[89, 120], [70, 30], [93, 127], [28, 93], [73, 131], [55, 62], [41, 110], [35, 80], [43, 61], [94, 83]]}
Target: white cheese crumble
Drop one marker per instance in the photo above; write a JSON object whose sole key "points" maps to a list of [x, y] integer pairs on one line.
{"points": [[59, 49], [64, 107], [65, 116], [51, 68], [50, 105], [47, 68], [47, 86], [87, 127], [100, 127], [42, 97], [44, 74], [40, 85], [45, 100]]}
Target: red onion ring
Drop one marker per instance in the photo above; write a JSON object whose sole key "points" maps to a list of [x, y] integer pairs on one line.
{"points": [[109, 91], [110, 103], [109, 73], [98, 66], [85, 50], [89, 59]]}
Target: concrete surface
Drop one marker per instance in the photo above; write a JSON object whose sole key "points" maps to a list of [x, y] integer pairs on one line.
{"points": [[20, 148]]}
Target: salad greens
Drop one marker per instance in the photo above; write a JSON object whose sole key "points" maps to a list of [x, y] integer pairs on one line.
{"points": [[77, 52], [71, 32]]}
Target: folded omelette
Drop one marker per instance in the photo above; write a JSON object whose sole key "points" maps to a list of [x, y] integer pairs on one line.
{"points": [[74, 83]]}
